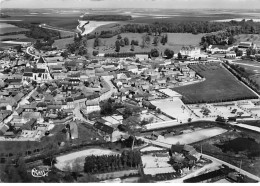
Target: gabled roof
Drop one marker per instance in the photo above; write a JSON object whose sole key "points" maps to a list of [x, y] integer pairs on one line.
{"points": [[177, 148], [105, 128], [40, 60]]}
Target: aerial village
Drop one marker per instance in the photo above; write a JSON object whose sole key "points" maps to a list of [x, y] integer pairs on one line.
{"points": [[69, 103]]}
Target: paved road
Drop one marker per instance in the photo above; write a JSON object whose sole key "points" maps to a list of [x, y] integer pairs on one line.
{"points": [[28, 51], [244, 64]]}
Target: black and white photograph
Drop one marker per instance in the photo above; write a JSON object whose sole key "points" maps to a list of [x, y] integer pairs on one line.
{"points": [[129, 91]]}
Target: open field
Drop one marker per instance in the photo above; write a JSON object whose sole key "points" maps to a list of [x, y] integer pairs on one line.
{"points": [[175, 42], [13, 37], [220, 85], [61, 43], [193, 137], [68, 161], [7, 28]]}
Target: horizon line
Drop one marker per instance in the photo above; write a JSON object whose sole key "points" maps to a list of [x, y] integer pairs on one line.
{"points": [[138, 8]]}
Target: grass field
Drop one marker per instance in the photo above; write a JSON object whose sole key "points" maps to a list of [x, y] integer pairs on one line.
{"points": [[220, 85], [61, 43], [252, 68], [175, 42]]}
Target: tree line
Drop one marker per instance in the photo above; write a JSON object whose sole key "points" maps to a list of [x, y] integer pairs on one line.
{"points": [[107, 163], [246, 27]]}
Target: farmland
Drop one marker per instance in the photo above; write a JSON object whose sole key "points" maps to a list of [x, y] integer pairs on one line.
{"points": [[220, 85], [7, 28]]}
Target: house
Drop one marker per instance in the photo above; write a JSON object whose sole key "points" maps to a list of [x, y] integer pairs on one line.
{"points": [[70, 103], [230, 55], [190, 51], [3, 129], [177, 148], [246, 45], [18, 111], [92, 105], [141, 57], [29, 125], [218, 49], [73, 130], [36, 74], [104, 129]]}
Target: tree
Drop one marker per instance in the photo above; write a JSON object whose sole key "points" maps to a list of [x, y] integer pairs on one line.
{"points": [[126, 41], [132, 48], [122, 43], [119, 37], [96, 42], [18, 48], [95, 53], [156, 40], [231, 40], [82, 51], [169, 53], [154, 53], [205, 45], [49, 155], [179, 56], [117, 46], [65, 54]]}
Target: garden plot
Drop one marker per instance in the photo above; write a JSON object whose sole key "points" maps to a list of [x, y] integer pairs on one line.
{"points": [[193, 137], [66, 162], [156, 165]]}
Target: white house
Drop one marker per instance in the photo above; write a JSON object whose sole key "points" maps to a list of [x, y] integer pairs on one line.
{"points": [[190, 51], [92, 105]]}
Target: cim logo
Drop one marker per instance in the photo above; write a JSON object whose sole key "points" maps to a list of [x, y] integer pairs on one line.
{"points": [[40, 171]]}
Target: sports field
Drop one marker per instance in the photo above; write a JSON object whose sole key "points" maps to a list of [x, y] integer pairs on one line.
{"points": [[220, 85]]}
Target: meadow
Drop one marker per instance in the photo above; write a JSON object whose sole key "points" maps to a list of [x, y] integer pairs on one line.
{"points": [[220, 85]]}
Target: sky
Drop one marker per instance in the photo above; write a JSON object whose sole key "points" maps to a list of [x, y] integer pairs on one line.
{"points": [[182, 4]]}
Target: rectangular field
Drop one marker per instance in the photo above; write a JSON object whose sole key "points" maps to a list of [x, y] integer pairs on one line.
{"points": [[193, 137], [220, 85]]}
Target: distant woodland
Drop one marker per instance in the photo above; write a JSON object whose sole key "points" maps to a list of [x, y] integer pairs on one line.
{"points": [[95, 17]]}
